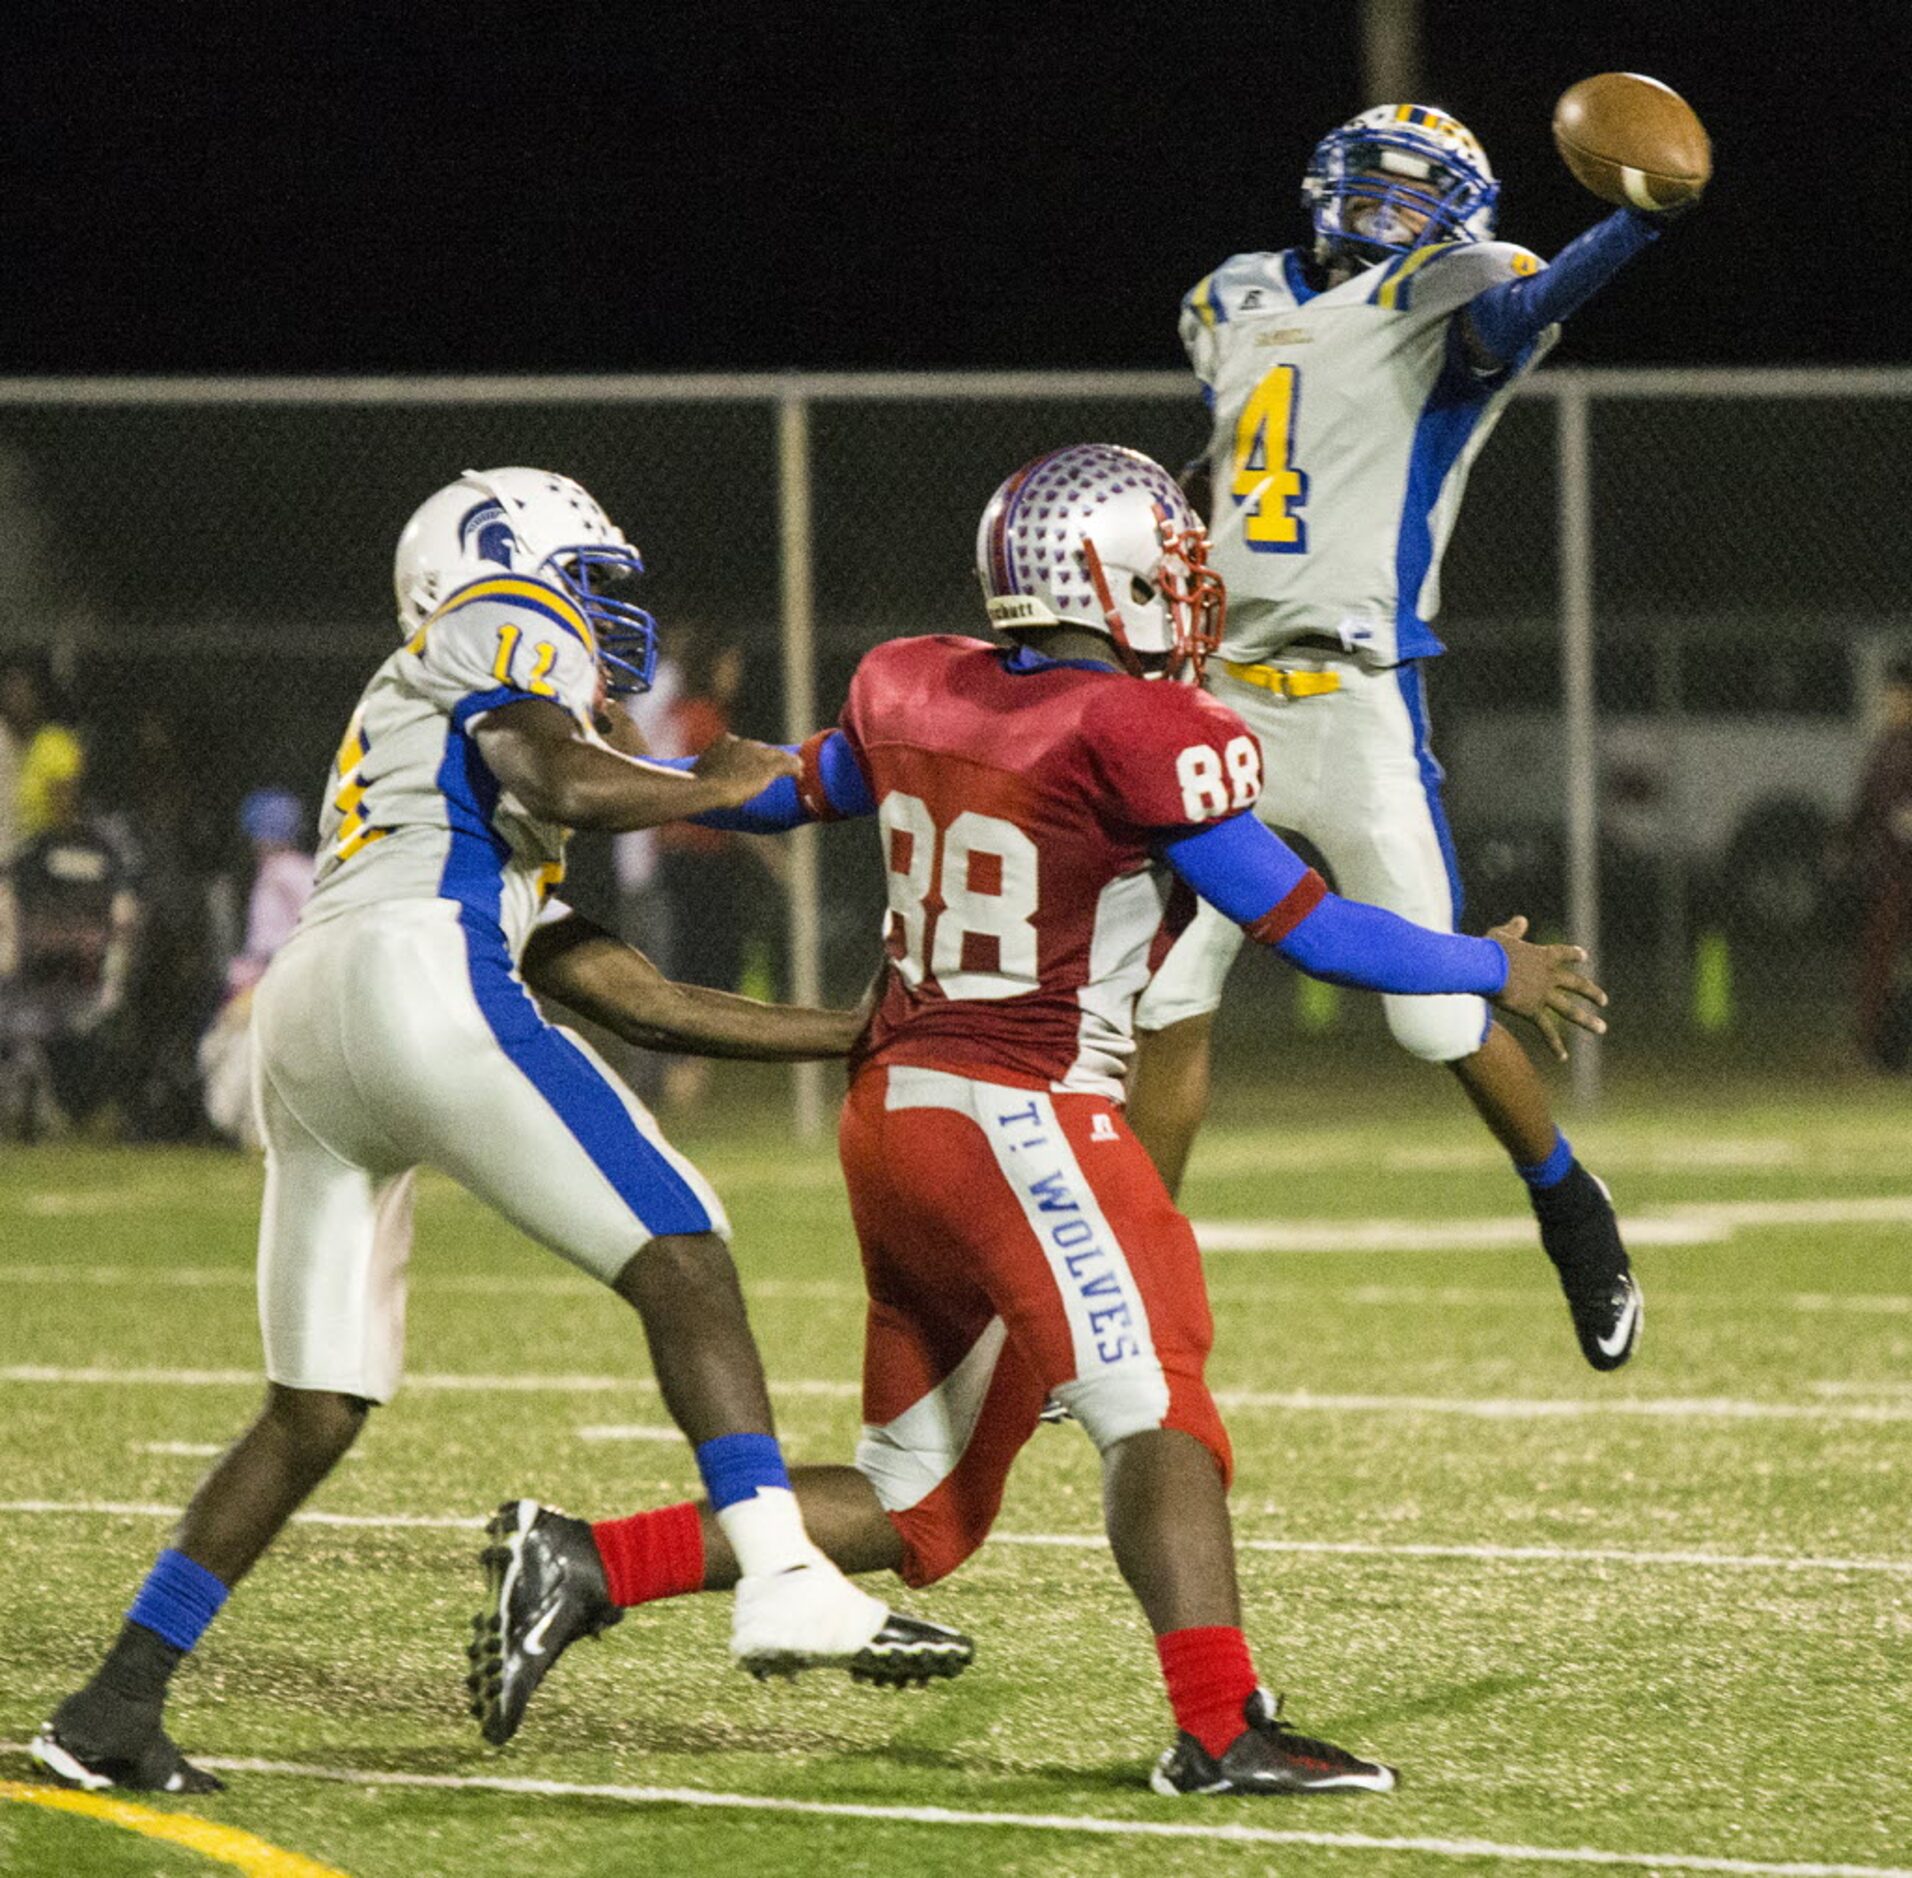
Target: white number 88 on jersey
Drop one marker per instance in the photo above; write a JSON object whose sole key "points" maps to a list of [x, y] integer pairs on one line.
{"points": [[1216, 785]]}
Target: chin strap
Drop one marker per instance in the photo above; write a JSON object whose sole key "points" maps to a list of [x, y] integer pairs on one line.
{"points": [[1111, 617], [1196, 599]]}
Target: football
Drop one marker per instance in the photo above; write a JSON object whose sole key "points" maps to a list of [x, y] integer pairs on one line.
{"points": [[1633, 140]]}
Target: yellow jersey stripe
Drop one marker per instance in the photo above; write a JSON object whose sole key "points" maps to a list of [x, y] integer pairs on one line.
{"points": [[1201, 297], [533, 593], [360, 838], [1389, 293]]}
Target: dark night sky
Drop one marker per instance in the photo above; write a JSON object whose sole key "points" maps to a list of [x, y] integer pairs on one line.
{"points": [[664, 187]]}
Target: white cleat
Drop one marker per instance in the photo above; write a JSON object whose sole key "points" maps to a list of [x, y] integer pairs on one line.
{"points": [[812, 1617]]}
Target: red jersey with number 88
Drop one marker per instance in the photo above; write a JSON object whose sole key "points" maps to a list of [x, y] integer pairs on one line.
{"points": [[1019, 804]]}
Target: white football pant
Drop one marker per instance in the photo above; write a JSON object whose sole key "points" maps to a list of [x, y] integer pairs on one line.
{"points": [[399, 1035], [1352, 772]]}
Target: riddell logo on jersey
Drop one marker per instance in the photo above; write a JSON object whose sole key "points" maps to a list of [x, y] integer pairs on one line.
{"points": [[1102, 1127]]}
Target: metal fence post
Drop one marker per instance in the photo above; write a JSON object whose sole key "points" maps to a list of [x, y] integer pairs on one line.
{"points": [[1577, 700], [799, 720]]}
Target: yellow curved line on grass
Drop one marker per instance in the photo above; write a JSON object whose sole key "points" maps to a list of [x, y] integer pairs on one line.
{"points": [[227, 1844]]}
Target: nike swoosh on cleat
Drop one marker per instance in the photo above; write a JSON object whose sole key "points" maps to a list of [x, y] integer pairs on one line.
{"points": [[533, 1644], [1623, 1330]]}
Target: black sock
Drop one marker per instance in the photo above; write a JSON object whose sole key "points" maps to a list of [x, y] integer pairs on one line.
{"points": [[1576, 1192], [138, 1666]]}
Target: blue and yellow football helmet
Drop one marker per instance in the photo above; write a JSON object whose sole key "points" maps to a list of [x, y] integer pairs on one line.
{"points": [[541, 525], [1397, 178]]}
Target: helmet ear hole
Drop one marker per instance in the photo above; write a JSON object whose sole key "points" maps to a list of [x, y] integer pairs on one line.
{"points": [[1140, 590]]}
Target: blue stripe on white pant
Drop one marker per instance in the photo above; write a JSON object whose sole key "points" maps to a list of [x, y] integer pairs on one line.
{"points": [[641, 1170]]}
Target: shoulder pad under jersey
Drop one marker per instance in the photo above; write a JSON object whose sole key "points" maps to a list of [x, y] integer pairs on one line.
{"points": [[1244, 283], [504, 635], [1441, 278]]}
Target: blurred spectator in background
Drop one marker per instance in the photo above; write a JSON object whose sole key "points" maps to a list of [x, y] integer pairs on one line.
{"points": [[69, 919], [188, 930], [710, 883], [1878, 855], [271, 821], [643, 910], [41, 761]]}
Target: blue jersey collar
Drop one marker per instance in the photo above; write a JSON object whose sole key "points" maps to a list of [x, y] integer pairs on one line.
{"points": [[1021, 659]]}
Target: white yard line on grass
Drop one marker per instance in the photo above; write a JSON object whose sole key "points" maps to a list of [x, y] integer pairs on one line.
{"points": [[1687, 1223], [1295, 1401], [205, 1450], [146, 1509], [500, 1284], [1223, 1832], [1094, 1541], [1503, 1554], [629, 1431], [1234, 1153], [427, 1382]]}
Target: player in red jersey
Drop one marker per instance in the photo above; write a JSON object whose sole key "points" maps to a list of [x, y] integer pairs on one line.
{"points": [[1045, 813]]}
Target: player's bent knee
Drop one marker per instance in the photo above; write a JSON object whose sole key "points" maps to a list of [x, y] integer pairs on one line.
{"points": [[678, 1267], [933, 1546], [1117, 1405], [1438, 1030]]}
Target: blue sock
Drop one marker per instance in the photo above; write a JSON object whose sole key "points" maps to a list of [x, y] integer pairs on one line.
{"points": [[736, 1467], [178, 1600], [1541, 1175]]}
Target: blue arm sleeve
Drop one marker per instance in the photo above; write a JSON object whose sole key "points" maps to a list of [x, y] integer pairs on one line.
{"points": [[1507, 319], [780, 808], [1239, 867], [1247, 872], [1348, 942], [842, 777], [772, 811]]}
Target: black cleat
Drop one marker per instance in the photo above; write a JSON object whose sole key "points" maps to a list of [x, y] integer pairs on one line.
{"points": [[1582, 1237], [544, 1589], [135, 1754], [1268, 1757], [909, 1652]]}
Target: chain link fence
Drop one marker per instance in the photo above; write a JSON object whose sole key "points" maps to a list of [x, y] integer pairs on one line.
{"points": [[1669, 605]]}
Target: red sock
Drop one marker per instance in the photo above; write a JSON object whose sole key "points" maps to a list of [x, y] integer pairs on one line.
{"points": [[652, 1555], [1209, 1676]]}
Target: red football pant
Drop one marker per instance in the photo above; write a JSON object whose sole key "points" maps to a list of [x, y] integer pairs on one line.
{"points": [[1016, 1244]]}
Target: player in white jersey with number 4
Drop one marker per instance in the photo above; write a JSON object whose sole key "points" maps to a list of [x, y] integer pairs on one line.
{"points": [[1352, 384], [395, 1029]]}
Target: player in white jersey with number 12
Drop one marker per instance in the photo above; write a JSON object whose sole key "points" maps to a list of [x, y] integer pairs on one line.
{"points": [[1351, 385], [395, 1029]]}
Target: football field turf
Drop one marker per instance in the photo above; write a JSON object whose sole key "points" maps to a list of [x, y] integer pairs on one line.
{"points": [[1658, 1621]]}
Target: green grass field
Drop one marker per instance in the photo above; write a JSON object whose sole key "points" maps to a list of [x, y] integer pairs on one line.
{"points": [[1665, 1615]]}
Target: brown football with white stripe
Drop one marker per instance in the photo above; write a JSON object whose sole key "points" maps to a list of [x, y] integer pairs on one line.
{"points": [[1633, 140]]}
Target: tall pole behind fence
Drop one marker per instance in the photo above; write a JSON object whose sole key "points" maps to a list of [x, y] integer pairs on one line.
{"points": [[1577, 701], [799, 720]]}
